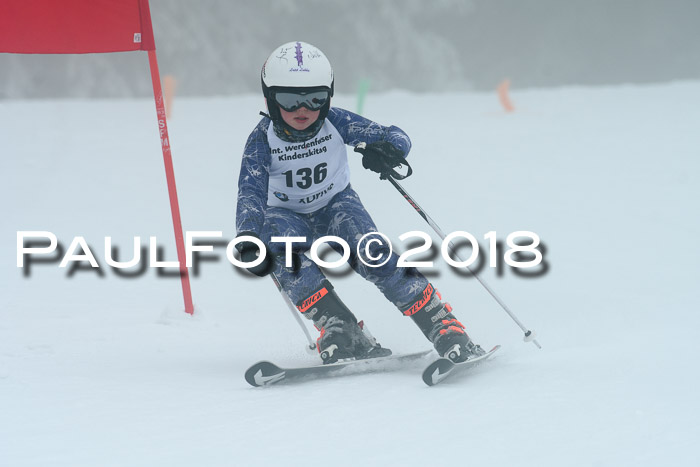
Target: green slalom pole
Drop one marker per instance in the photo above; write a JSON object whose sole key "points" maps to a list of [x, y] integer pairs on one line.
{"points": [[362, 88]]}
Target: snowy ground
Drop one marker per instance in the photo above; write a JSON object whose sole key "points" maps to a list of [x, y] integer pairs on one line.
{"points": [[103, 370]]}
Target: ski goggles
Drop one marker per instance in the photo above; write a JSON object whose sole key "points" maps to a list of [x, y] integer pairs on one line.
{"points": [[291, 101]]}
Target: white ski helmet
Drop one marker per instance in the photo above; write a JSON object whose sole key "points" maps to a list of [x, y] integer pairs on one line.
{"points": [[301, 68]]}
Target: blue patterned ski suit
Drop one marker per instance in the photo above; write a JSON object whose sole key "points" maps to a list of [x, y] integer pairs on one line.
{"points": [[344, 216]]}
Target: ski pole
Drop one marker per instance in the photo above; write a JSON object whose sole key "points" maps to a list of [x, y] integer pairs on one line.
{"points": [[312, 345], [529, 335]]}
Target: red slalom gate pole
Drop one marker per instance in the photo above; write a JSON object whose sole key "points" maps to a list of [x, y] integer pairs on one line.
{"points": [[170, 176]]}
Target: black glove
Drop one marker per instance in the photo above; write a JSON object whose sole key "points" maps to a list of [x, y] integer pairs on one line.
{"points": [[380, 156], [249, 252]]}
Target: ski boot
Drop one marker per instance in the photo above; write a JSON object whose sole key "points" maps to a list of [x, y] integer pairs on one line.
{"points": [[342, 337], [439, 325]]}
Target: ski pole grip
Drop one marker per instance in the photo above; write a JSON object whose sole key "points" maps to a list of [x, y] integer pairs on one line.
{"points": [[397, 176], [390, 171]]}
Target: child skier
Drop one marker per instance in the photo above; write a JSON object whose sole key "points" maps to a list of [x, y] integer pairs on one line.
{"points": [[295, 182]]}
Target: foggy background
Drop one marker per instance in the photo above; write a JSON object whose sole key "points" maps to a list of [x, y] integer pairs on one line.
{"points": [[217, 47]]}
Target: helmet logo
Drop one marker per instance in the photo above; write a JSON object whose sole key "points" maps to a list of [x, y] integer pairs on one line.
{"points": [[299, 56]]}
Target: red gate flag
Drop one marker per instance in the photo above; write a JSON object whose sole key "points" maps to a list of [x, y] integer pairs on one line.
{"points": [[75, 26], [95, 26]]}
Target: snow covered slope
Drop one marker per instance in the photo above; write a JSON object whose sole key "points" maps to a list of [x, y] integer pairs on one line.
{"points": [[104, 370]]}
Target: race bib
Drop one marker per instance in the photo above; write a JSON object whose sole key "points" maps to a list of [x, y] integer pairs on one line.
{"points": [[304, 176]]}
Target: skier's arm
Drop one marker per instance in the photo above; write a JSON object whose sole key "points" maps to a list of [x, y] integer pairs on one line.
{"points": [[252, 182], [356, 129]]}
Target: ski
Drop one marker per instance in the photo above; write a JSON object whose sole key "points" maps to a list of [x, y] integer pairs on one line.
{"points": [[443, 367], [267, 373]]}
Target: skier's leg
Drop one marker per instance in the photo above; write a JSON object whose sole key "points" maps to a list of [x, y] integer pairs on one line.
{"points": [[435, 319], [304, 278], [341, 335], [406, 288], [346, 217], [307, 287]]}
